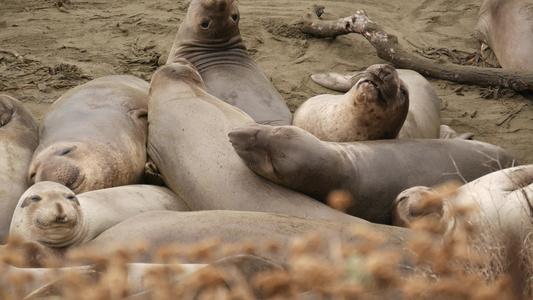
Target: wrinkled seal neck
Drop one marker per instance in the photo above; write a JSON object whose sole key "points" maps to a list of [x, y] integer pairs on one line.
{"points": [[204, 54]]}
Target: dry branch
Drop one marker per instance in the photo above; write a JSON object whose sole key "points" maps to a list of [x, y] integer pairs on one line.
{"points": [[388, 48]]}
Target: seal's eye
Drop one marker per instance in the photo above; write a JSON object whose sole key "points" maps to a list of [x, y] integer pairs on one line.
{"points": [[402, 198], [235, 17], [32, 176], [71, 197], [403, 91], [29, 200], [65, 151], [205, 24]]}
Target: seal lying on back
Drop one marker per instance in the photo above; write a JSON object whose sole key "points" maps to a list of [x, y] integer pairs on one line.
{"points": [[209, 38], [95, 136], [374, 172], [19, 138], [374, 108], [188, 144], [505, 30], [423, 118], [51, 214], [502, 200]]}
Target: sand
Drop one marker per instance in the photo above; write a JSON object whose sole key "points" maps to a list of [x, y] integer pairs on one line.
{"points": [[96, 38]]}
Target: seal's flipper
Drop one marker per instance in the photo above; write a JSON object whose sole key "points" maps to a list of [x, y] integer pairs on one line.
{"points": [[152, 174], [336, 81], [489, 56], [6, 111]]}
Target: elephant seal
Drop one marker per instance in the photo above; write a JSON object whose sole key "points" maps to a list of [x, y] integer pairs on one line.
{"points": [[188, 144], [505, 30], [95, 136], [374, 108], [19, 132], [423, 118], [374, 172], [209, 38], [420, 202], [502, 201], [51, 214], [159, 228]]}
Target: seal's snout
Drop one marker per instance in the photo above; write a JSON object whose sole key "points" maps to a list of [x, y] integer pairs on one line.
{"points": [[218, 5], [243, 137]]}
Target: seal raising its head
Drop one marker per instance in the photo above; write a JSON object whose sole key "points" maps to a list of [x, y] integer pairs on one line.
{"points": [[210, 39], [374, 108]]}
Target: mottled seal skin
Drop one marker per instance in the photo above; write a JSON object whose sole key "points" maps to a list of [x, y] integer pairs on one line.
{"points": [[95, 136], [188, 143], [210, 39], [505, 30], [374, 172], [18, 139], [374, 108], [423, 118], [499, 201], [51, 214]]}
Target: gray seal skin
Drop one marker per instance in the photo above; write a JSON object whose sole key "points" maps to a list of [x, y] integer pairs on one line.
{"points": [[159, 228], [500, 201], [95, 136], [374, 108], [423, 118], [51, 214], [505, 30], [187, 142], [374, 172], [209, 38], [18, 139]]}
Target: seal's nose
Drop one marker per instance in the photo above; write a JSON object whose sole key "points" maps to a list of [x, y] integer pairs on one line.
{"points": [[243, 137], [61, 216]]}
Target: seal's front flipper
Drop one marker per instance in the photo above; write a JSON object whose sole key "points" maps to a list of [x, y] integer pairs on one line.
{"points": [[152, 174], [336, 81], [6, 111], [488, 55]]}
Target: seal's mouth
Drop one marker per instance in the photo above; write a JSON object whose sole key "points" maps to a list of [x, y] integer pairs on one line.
{"points": [[76, 186], [372, 84]]}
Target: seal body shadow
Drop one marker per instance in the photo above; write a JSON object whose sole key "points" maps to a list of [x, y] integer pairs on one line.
{"points": [[210, 39]]}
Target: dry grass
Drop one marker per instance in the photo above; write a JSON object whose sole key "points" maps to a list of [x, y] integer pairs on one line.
{"points": [[472, 263]]}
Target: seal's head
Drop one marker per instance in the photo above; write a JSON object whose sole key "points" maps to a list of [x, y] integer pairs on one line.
{"points": [[48, 213], [384, 96], [211, 19], [63, 163], [275, 152], [419, 203]]}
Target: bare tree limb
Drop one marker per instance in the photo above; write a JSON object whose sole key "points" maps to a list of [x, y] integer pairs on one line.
{"points": [[388, 48]]}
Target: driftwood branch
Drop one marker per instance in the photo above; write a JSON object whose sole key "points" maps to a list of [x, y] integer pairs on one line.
{"points": [[388, 48]]}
